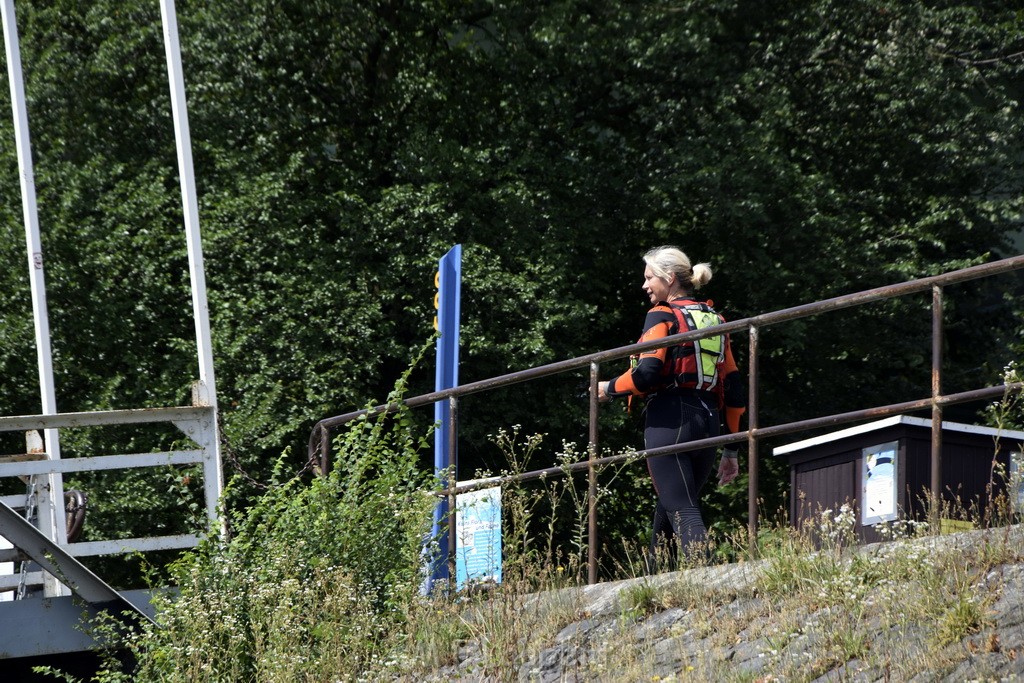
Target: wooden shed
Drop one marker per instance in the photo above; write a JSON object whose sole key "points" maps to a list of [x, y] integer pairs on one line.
{"points": [[883, 470]]}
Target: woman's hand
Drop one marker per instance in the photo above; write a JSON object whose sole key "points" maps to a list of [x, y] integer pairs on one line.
{"points": [[602, 392], [728, 467]]}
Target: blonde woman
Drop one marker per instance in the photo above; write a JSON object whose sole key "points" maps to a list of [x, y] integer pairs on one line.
{"points": [[689, 387]]}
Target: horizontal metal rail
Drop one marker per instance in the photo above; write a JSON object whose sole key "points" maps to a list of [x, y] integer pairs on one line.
{"points": [[100, 418], [741, 325], [11, 582], [744, 324], [118, 546], [319, 439], [100, 462]]}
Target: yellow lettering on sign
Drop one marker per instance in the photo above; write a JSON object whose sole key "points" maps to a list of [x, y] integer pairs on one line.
{"points": [[437, 295]]}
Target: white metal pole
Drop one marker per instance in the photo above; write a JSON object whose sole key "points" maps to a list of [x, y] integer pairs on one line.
{"points": [[54, 511], [207, 388]]}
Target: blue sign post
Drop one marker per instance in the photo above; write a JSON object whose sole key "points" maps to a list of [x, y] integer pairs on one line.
{"points": [[447, 302]]}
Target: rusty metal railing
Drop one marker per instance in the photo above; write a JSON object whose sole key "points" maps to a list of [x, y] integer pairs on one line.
{"points": [[319, 440]]}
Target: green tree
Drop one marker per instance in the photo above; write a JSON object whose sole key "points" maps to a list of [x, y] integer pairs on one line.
{"points": [[805, 149]]}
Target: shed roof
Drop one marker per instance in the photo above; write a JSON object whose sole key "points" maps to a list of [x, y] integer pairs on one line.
{"points": [[890, 422]]}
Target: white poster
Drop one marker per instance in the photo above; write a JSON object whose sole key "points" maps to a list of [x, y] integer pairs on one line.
{"points": [[478, 537], [878, 496]]}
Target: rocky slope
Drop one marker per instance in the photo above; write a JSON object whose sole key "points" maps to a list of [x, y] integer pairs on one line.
{"points": [[952, 611]]}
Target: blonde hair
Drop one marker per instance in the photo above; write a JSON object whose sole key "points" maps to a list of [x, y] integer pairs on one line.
{"points": [[666, 261]]}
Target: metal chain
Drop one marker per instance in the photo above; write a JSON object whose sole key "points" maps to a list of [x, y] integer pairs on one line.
{"points": [[232, 457], [31, 514]]}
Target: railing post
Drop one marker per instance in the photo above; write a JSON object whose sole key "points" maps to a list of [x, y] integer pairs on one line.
{"points": [[51, 501], [325, 451], [205, 390], [752, 459], [592, 481], [453, 481], [936, 483]]}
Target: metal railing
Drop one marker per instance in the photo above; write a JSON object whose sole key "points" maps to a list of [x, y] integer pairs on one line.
{"points": [[198, 423], [320, 441]]}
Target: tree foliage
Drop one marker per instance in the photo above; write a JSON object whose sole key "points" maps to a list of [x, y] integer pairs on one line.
{"points": [[805, 149]]}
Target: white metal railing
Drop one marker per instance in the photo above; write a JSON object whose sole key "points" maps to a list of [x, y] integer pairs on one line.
{"points": [[198, 423]]}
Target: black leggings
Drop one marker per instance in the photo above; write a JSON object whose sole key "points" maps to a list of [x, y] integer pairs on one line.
{"points": [[677, 418]]}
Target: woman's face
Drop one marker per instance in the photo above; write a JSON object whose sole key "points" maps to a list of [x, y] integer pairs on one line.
{"points": [[656, 288]]}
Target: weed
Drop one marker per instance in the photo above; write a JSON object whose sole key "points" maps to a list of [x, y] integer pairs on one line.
{"points": [[959, 620], [640, 599]]}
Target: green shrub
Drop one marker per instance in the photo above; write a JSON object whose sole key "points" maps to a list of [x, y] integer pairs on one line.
{"points": [[318, 577]]}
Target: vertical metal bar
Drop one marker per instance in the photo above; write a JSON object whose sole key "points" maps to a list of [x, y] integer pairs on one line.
{"points": [[453, 481], [183, 139], [206, 388], [204, 433], [446, 376], [592, 539], [752, 460], [936, 482], [325, 451], [52, 496]]}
